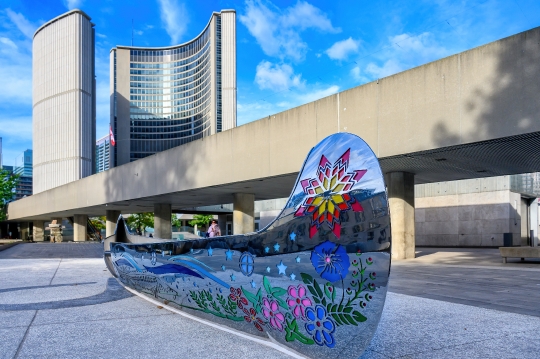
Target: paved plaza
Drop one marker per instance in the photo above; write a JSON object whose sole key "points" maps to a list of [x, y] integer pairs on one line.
{"points": [[59, 300]]}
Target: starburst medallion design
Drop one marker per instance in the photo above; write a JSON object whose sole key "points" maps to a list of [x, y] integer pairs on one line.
{"points": [[327, 197]]}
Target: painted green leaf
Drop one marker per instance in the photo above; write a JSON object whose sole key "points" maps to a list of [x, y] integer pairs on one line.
{"points": [[323, 301], [267, 286], [293, 334], [358, 316], [312, 290], [349, 318], [336, 318], [330, 291], [317, 288], [278, 292], [306, 278], [348, 309]]}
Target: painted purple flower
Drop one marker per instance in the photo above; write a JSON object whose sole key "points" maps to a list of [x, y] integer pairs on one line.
{"points": [[320, 326], [298, 300], [270, 309], [330, 261]]}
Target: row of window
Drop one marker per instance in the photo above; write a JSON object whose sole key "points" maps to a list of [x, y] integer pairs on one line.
{"points": [[166, 55], [179, 98], [171, 67], [193, 81]]}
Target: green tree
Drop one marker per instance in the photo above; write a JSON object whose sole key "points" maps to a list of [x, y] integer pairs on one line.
{"points": [[140, 221], [8, 183], [98, 222], [201, 220], [175, 222]]}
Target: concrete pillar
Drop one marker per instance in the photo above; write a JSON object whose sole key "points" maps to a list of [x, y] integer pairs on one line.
{"points": [[111, 219], [222, 223], [401, 201], [38, 231], [243, 213], [79, 227], [162, 220], [25, 230]]}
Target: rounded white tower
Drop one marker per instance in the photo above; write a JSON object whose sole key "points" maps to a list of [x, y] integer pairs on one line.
{"points": [[63, 101]]}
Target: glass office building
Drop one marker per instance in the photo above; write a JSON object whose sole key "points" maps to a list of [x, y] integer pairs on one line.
{"points": [[103, 146], [165, 97], [23, 168]]}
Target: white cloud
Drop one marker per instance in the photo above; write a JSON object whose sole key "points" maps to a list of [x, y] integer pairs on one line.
{"points": [[402, 52], [73, 4], [390, 67], [174, 19], [317, 94], [342, 49], [8, 45], [101, 35], [16, 75], [278, 32], [276, 77], [421, 47], [304, 15], [25, 26]]}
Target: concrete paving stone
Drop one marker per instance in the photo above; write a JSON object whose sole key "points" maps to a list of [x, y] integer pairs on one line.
{"points": [[410, 325], [11, 338], [171, 336], [370, 354], [126, 308], [14, 319], [53, 250], [52, 293], [21, 273], [500, 348]]}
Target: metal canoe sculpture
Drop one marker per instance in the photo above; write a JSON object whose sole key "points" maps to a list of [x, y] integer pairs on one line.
{"points": [[313, 281]]}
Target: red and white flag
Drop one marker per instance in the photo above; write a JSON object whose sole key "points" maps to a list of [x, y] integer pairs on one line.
{"points": [[111, 135]]}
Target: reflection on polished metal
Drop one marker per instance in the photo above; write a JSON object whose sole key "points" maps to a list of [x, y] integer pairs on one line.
{"points": [[313, 281]]}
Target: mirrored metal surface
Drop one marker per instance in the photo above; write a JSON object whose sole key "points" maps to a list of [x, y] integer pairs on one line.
{"points": [[314, 280]]}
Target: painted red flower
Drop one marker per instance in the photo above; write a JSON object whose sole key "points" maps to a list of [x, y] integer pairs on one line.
{"points": [[327, 197], [236, 296], [251, 317]]}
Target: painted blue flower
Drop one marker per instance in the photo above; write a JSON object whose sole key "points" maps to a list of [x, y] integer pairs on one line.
{"points": [[320, 326], [330, 261]]}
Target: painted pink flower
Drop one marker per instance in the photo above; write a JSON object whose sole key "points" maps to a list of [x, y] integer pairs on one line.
{"points": [[270, 310], [298, 301]]}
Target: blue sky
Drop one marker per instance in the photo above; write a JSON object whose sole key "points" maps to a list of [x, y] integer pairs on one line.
{"points": [[288, 52]]}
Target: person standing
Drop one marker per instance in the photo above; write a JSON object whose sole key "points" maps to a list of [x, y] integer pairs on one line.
{"points": [[213, 230]]}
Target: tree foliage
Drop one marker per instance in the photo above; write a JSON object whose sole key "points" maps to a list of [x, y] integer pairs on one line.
{"points": [[98, 222], [140, 221], [8, 183], [201, 220], [175, 222]]}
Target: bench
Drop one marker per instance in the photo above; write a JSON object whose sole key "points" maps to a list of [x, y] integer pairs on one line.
{"points": [[519, 252]]}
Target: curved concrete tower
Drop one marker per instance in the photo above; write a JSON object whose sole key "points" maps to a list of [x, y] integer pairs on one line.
{"points": [[63, 101]]}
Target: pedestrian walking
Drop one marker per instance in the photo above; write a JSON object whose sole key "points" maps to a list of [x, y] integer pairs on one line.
{"points": [[213, 230]]}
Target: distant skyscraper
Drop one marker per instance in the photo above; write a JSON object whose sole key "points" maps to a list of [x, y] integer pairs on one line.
{"points": [[102, 154], [165, 97], [64, 119], [23, 167]]}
